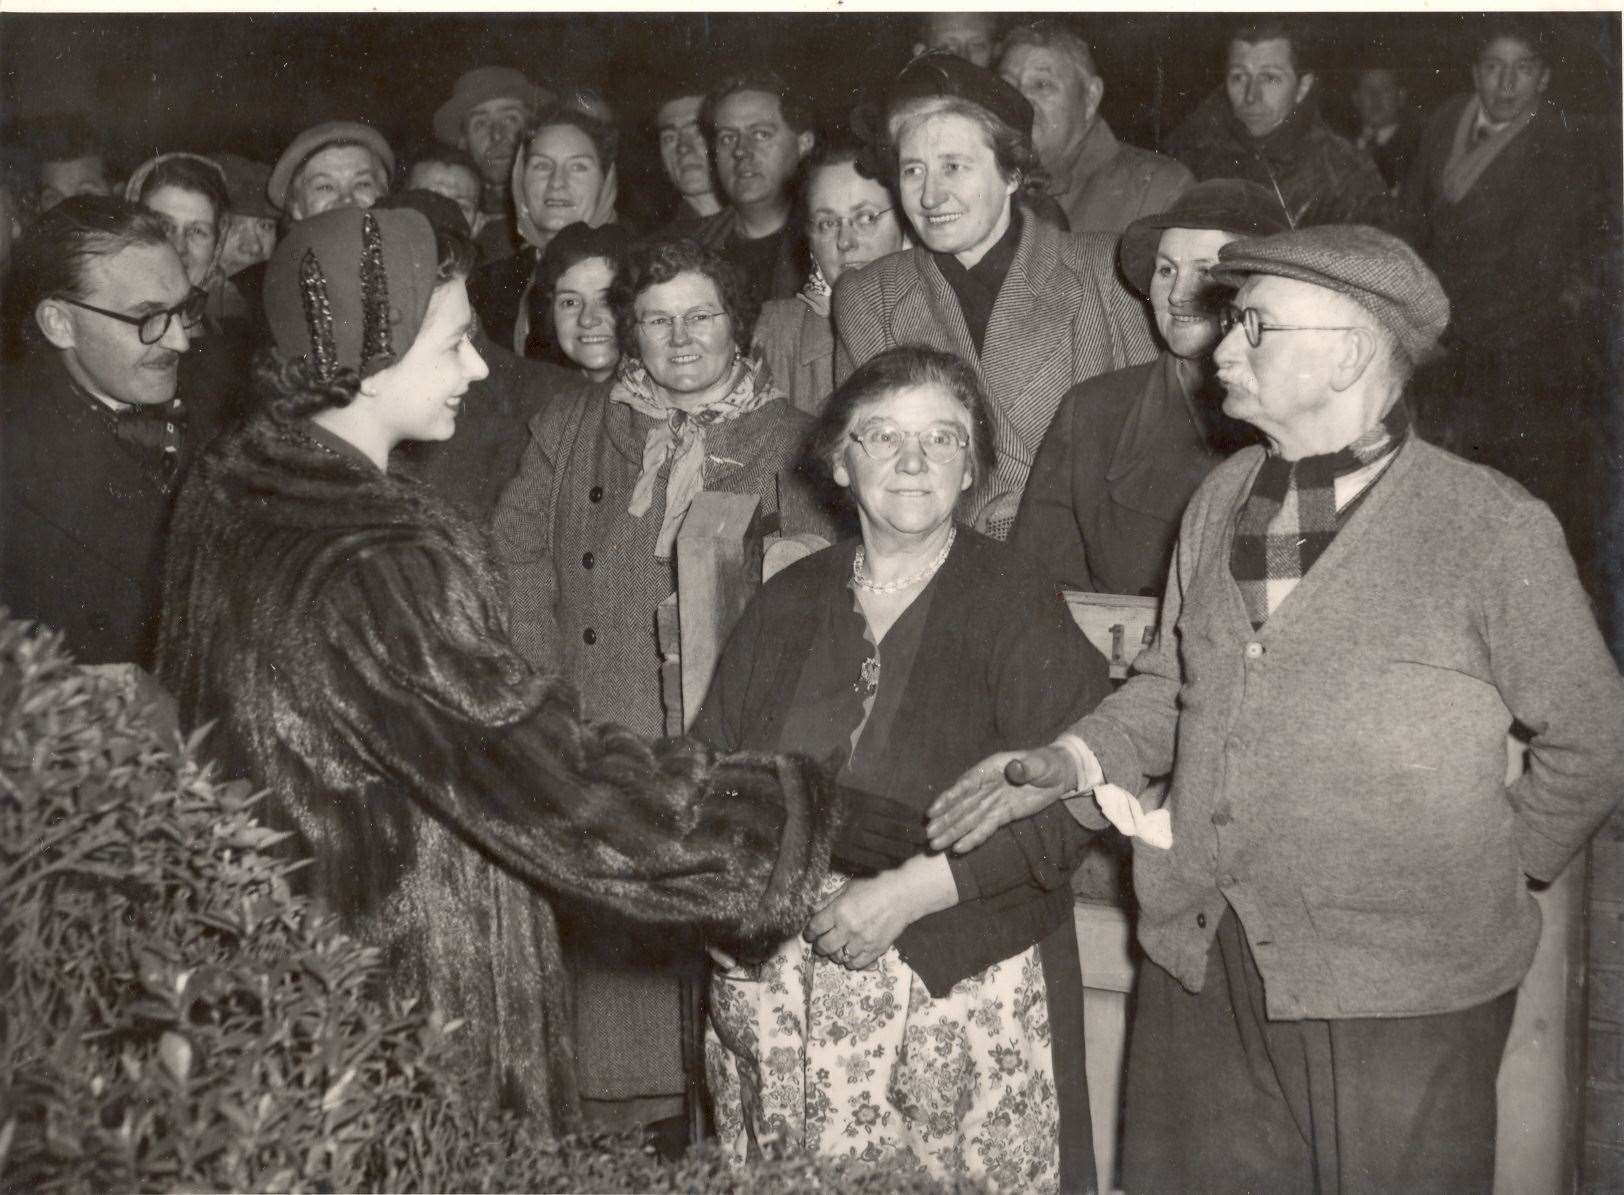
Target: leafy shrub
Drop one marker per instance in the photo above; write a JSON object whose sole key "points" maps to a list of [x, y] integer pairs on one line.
{"points": [[173, 1017]]}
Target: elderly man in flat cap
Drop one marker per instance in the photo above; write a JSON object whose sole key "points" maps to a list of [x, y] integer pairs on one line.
{"points": [[488, 110], [1334, 900]]}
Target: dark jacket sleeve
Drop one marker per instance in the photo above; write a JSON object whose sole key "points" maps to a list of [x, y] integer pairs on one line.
{"points": [[521, 538], [429, 690], [1044, 675], [1047, 527]]}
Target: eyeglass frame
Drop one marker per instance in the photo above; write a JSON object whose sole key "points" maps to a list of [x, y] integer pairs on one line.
{"points": [[1250, 320], [650, 323], [873, 217], [962, 445], [195, 299]]}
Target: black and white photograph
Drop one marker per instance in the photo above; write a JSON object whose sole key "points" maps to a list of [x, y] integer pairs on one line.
{"points": [[842, 598]]}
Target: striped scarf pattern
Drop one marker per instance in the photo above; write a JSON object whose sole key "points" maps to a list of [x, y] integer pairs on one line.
{"points": [[1291, 514]]}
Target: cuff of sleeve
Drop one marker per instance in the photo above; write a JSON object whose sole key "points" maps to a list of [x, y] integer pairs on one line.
{"points": [[1113, 750], [964, 877], [1541, 857], [1083, 807]]}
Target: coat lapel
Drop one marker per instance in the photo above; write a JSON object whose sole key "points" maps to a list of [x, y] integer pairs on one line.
{"points": [[1026, 360], [927, 312]]}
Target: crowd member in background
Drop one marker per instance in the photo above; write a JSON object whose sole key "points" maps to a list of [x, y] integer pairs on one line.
{"points": [[1389, 129], [937, 1004], [250, 232], [573, 282], [92, 436], [1264, 125], [71, 157], [685, 155], [1102, 184], [587, 534], [564, 174], [19, 193], [760, 131], [1334, 902], [852, 219], [1034, 311], [490, 107], [188, 192], [335, 164], [342, 628], [1508, 212], [1127, 449], [449, 171], [973, 36]]}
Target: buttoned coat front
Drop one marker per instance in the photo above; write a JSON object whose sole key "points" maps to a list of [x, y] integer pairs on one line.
{"points": [[1062, 316]]}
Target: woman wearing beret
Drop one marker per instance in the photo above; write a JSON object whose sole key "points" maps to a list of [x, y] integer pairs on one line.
{"points": [[587, 532], [1032, 309], [930, 1015], [1127, 449], [342, 629]]}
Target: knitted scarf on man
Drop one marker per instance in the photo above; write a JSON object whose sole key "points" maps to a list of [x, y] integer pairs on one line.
{"points": [[1292, 513], [343, 630]]}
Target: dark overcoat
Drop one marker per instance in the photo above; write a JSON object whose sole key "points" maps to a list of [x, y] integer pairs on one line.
{"points": [[344, 631], [1062, 316]]}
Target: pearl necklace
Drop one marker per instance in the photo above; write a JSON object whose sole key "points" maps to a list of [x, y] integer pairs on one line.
{"points": [[861, 579]]}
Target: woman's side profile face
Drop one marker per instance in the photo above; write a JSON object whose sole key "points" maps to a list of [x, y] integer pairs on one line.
{"points": [[418, 396], [684, 334], [193, 224], [950, 183], [909, 495], [1182, 291], [849, 220], [583, 322], [562, 177]]}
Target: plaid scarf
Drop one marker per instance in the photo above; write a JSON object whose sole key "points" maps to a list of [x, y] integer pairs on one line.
{"points": [[1292, 513]]}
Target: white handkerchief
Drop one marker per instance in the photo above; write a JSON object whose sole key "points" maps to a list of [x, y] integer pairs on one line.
{"points": [[1123, 810]]}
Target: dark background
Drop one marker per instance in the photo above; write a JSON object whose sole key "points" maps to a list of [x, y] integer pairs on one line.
{"points": [[250, 82]]}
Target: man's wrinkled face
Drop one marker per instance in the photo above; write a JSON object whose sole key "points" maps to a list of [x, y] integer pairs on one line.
{"points": [[1263, 85], [970, 35], [76, 176], [683, 151], [491, 135], [337, 177], [1510, 78], [105, 355], [456, 183], [1064, 99], [1282, 385], [1378, 98]]}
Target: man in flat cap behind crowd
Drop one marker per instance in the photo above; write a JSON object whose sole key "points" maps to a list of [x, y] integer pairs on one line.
{"points": [[1334, 900], [486, 114]]}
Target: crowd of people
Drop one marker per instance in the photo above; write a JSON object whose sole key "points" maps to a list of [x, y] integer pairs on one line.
{"points": [[380, 464]]}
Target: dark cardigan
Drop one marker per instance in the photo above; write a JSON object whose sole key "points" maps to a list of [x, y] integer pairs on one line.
{"points": [[1000, 663]]}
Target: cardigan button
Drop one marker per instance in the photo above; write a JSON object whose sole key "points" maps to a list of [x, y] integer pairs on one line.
{"points": [[588, 560], [1254, 651], [1201, 921], [590, 636], [595, 494]]}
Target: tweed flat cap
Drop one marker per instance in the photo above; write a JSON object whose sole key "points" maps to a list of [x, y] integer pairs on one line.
{"points": [[1373, 268], [315, 139], [940, 73], [479, 86], [1221, 204]]}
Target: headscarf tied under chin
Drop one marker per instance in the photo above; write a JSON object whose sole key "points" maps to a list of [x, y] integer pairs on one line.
{"points": [[680, 437], [602, 212], [213, 276]]}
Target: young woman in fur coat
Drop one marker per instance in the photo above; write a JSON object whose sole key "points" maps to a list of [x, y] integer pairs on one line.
{"points": [[342, 629]]}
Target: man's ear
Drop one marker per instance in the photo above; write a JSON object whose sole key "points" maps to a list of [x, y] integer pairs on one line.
{"points": [[804, 142], [1304, 86], [1093, 93], [56, 322], [1359, 348]]}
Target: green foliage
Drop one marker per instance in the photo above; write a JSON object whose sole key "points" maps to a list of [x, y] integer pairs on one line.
{"points": [[173, 1017]]}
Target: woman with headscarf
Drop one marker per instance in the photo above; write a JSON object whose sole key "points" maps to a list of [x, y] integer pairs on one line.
{"points": [[1127, 449], [1033, 310], [189, 192], [341, 627], [563, 174], [587, 532], [852, 219]]}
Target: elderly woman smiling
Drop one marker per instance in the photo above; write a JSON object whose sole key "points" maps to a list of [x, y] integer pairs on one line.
{"points": [[931, 1014], [588, 530]]}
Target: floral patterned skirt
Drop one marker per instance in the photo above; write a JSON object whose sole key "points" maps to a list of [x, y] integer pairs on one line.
{"points": [[865, 1065]]}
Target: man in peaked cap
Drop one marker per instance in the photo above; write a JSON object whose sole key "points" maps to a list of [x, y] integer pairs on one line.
{"points": [[1334, 900], [486, 115]]}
